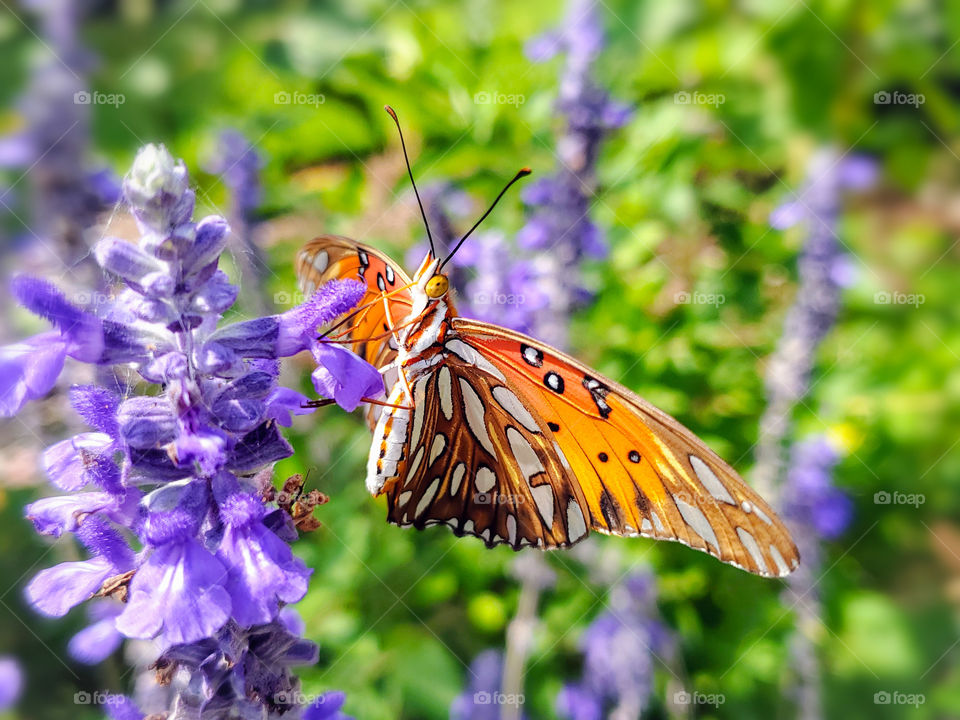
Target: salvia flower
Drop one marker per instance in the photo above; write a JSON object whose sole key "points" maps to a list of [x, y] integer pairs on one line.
{"points": [[620, 648], [559, 232], [813, 507], [165, 491], [483, 699]]}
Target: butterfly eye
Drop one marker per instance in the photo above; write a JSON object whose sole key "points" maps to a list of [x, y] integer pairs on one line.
{"points": [[437, 286]]}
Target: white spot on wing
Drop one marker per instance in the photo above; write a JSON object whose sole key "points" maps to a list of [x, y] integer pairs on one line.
{"points": [[320, 261], [657, 523], [427, 498], [446, 392], [645, 525], [419, 410], [512, 529], [710, 480], [762, 515], [439, 443], [781, 564], [576, 526], [469, 355], [511, 403], [414, 466], [474, 411], [543, 497], [524, 454], [404, 498], [458, 472], [697, 521], [750, 543], [485, 479]]}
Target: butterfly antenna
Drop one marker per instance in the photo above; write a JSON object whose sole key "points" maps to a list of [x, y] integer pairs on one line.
{"points": [[406, 159], [521, 174]]}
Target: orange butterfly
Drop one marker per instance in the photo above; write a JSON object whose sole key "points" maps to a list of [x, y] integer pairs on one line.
{"points": [[504, 438]]}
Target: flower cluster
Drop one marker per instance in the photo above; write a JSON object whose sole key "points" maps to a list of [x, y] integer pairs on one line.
{"points": [[559, 230], [809, 497], [68, 190], [824, 269], [814, 509], [619, 648], [167, 490]]}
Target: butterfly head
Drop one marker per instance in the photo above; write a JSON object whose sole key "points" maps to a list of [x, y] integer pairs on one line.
{"points": [[431, 281]]}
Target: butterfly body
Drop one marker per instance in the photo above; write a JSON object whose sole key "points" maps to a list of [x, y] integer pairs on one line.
{"points": [[504, 438]]}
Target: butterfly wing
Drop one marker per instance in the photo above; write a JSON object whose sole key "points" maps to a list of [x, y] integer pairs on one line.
{"points": [[334, 257], [469, 455], [639, 470]]}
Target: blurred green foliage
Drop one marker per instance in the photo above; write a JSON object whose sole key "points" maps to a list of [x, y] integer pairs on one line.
{"points": [[684, 193]]}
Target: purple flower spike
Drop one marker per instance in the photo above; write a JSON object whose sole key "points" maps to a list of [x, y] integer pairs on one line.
{"points": [[215, 568], [344, 376]]}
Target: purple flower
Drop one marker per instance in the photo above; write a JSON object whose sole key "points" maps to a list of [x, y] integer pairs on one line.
{"points": [[476, 702], [262, 570], [11, 682], [96, 642], [326, 707], [577, 703], [343, 376], [620, 648], [179, 591]]}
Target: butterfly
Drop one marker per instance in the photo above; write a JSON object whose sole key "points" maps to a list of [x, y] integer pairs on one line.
{"points": [[504, 438]]}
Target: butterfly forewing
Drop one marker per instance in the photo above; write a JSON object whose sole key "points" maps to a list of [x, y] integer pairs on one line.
{"points": [[334, 257], [641, 472]]}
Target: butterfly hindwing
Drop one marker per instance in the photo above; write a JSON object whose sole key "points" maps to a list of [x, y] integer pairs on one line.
{"points": [[640, 471], [477, 460]]}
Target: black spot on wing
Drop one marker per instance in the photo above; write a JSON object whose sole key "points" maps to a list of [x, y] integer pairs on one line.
{"points": [[531, 355], [610, 510], [553, 426], [633, 456], [598, 391], [553, 381]]}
